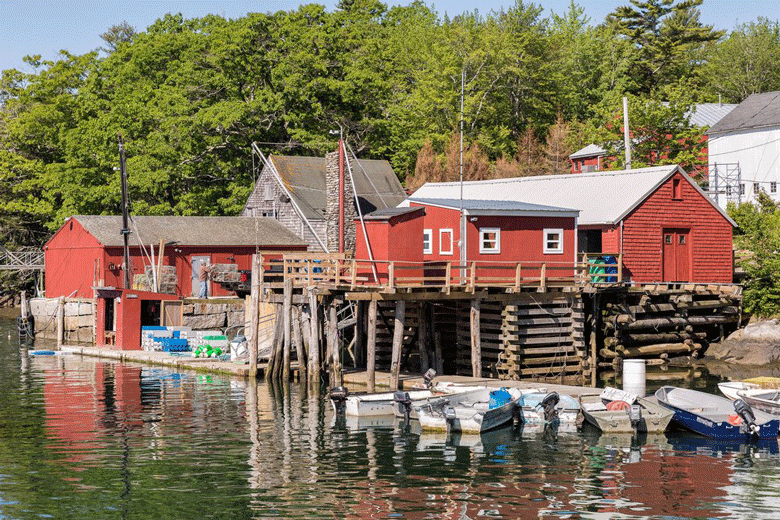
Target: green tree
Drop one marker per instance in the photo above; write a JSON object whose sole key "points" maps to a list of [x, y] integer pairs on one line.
{"points": [[758, 237], [746, 61], [669, 38]]}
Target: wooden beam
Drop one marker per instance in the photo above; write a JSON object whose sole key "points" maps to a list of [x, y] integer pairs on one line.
{"points": [[398, 336], [476, 341], [371, 348], [254, 315], [298, 342]]}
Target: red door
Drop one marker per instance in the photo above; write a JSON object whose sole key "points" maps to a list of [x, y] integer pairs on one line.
{"points": [[677, 255]]}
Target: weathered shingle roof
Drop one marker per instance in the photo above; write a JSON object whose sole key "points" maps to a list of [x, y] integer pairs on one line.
{"points": [[603, 198], [191, 231], [757, 111], [494, 206], [391, 213], [304, 177]]}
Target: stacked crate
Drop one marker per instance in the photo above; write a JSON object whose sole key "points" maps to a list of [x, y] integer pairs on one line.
{"points": [[150, 333], [542, 339], [201, 338], [490, 332]]}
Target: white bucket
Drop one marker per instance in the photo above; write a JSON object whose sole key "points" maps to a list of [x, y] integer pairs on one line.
{"points": [[634, 376]]}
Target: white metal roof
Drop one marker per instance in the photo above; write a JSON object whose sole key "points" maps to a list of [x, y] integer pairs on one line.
{"points": [[497, 207], [592, 150], [603, 198]]}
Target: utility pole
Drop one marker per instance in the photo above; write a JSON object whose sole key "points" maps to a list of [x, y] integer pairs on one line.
{"points": [[626, 134], [125, 214], [462, 241]]}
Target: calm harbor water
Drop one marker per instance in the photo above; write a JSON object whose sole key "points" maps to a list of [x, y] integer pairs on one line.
{"points": [[85, 438]]}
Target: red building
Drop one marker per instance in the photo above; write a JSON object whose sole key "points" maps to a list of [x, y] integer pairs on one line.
{"points": [[664, 226], [87, 251], [499, 234]]}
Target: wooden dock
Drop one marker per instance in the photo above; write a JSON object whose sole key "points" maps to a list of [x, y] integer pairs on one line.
{"points": [[503, 321]]}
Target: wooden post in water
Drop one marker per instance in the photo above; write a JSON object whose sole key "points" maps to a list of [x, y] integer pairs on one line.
{"points": [[360, 358], [333, 345], [398, 337], [476, 346], [254, 316], [60, 321], [371, 348], [423, 340], [314, 345], [296, 330], [287, 328]]}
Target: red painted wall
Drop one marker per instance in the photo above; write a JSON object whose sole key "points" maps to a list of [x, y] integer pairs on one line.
{"points": [[577, 164], [76, 261], [127, 315], [398, 239], [521, 241], [710, 236]]}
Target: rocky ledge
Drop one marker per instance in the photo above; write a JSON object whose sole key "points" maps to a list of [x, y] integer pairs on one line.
{"points": [[756, 344]]}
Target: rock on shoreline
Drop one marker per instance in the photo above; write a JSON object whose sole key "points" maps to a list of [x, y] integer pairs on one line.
{"points": [[756, 344]]}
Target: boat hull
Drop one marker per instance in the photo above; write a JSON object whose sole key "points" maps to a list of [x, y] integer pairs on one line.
{"points": [[472, 413], [655, 418], [568, 408], [713, 416], [765, 400]]}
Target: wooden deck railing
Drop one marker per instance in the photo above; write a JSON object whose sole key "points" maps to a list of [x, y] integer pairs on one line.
{"points": [[337, 270]]}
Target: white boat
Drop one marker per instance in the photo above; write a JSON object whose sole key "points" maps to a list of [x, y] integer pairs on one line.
{"points": [[731, 389], [617, 411], [385, 403], [476, 411], [539, 408], [763, 399], [374, 405], [407, 404]]}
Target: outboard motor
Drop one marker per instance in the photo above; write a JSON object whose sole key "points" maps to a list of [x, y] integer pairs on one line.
{"points": [[339, 394], [404, 403], [428, 377], [548, 405], [635, 416], [450, 416], [746, 413]]}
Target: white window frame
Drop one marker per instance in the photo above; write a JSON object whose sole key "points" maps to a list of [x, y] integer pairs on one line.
{"points": [[428, 247], [441, 242], [489, 250], [558, 250]]}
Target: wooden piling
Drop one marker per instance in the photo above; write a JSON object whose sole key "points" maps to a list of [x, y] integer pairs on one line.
{"points": [[398, 337], [476, 345], [298, 342], [423, 338], [334, 356], [314, 346], [288, 287], [254, 316], [60, 321], [371, 348]]}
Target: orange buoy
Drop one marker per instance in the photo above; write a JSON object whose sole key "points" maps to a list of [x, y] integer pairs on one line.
{"points": [[618, 405], [735, 419]]}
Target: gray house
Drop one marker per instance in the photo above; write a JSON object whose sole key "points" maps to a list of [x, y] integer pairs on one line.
{"points": [[302, 194]]}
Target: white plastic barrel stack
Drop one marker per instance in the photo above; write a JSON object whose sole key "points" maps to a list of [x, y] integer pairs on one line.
{"points": [[634, 376]]}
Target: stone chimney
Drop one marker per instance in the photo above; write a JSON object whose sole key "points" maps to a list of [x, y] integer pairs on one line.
{"points": [[332, 205]]}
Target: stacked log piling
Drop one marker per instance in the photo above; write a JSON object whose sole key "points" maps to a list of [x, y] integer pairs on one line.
{"points": [[658, 324]]}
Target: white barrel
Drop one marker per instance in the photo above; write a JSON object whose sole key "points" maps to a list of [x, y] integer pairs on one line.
{"points": [[634, 376]]}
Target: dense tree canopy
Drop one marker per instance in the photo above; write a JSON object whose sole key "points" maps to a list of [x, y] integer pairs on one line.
{"points": [[189, 96]]}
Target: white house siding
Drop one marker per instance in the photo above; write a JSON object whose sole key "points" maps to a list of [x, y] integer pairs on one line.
{"points": [[758, 154]]}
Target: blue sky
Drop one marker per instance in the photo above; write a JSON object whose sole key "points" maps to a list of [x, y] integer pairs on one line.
{"points": [[44, 27]]}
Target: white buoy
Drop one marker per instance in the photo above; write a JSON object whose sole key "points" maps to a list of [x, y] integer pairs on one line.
{"points": [[634, 376]]}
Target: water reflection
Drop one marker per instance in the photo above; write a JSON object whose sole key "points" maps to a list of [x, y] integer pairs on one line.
{"points": [[83, 438]]}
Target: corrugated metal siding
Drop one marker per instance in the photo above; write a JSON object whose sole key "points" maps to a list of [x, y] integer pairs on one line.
{"points": [[710, 236]]}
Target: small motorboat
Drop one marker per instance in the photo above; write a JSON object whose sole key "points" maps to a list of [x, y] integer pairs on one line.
{"points": [[731, 389], [539, 408], [375, 405], [762, 399], [618, 411], [717, 417], [476, 411]]}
